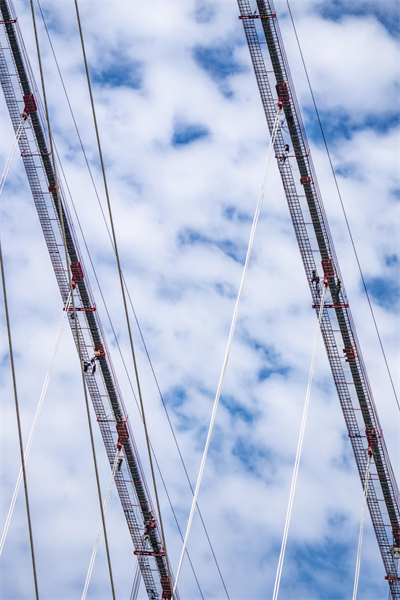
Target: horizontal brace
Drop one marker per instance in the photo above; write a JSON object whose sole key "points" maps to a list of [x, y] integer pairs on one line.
{"points": [[244, 18], [82, 309], [147, 553], [48, 154], [295, 155], [332, 305], [11, 21]]}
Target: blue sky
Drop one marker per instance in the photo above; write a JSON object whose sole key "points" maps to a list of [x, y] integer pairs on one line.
{"points": [[185, 141]]}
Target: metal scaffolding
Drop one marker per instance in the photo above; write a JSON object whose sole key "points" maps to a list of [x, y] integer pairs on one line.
{"points": [[21, 94], [307, 211]]}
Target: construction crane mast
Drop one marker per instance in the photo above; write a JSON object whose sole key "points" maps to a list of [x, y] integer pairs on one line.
{"points": [[22, 97], [338, 330]]}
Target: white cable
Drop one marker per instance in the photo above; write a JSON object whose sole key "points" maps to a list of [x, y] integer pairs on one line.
{"points": [[11, 155], [35, 420], [100, 528], [360, 539], [233, 324], [136, 583], [298, 454]]}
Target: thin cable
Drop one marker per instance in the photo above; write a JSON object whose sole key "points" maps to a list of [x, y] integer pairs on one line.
{"points": [[135, 316], [228, 348], [343, 209], [136, 584], [123, 292], [60, 211], [298, 453], [360, 539], [138, 407], [11, 155], [136, 320], [35, 421], [100, 528], [21, 448]]}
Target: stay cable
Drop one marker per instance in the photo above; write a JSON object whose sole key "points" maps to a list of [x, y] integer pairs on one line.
{"points": [[299, 449], [14, 380], [33, 429], [60, 212], [228, 348], [363, 511], [100, 527]]}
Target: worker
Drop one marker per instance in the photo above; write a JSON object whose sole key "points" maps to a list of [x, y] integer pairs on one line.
{"points": [[287, 147], [119, 464], [94, 369], [283, 157], [339, 284], [85, 366], [317, 288], [97, 355], [395, 550], [316, 280], [314, 275]]}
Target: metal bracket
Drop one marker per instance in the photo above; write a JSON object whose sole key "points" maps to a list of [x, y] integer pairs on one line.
{"points": [[295, 155], [245, 17], [39, 154], [147, 553], [332, 305], [79, 308], [29, 106]]}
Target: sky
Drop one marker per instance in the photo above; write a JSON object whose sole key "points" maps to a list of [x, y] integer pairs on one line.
{"points": [[185, 141]]}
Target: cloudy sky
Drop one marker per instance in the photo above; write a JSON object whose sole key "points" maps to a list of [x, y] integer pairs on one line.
{"points": [[185, 141]]}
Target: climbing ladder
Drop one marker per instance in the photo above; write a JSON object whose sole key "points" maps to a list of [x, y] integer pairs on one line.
{"points": [[21, 95], [306, 210]]}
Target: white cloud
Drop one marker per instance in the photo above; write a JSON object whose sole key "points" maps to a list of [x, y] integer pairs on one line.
{"points": [[204, 192]]}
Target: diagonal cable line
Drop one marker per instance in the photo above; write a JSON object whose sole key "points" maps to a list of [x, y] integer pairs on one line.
{"points": [[123, 291], [363, 511], [14, 380], [33, 429], [299, 449], [228, 348], [135, 317], [100, 527], [135, 396], [11, 155], [60, 211]]}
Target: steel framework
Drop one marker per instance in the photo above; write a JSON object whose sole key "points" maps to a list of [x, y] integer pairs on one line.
{"points": [[21, 95], [304, 200], [306, 207]]}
